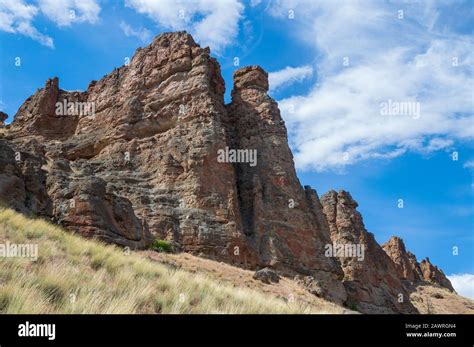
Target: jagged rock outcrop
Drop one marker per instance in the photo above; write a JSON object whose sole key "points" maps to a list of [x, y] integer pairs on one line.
{"points": [[408, 267], [435, 275], [370, 277], [3, 118], [152, 151], [136, 156], [22, 180], [279, 216], [151, 140]]}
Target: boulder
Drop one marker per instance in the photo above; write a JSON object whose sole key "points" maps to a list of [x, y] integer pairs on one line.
{"points": [[266, 275]]}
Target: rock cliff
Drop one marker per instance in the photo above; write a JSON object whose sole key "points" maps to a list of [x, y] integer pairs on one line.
{"points": [[151, 151], [371, 278], [408, 268]]}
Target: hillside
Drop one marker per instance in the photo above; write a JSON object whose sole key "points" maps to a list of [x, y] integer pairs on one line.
{"points": [[74, 275], [152, 152]]}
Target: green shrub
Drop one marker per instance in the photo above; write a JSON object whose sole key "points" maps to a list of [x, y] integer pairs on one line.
{"points": [[352, 306], [162, 246], [3, 205]]}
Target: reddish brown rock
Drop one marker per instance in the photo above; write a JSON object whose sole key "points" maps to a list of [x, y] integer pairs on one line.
{"points": [[370, 277], [435, 275], [407, 266], [409, 269], [38, 115], [22, 180], [152, 140], [142, 154], [281, 219], [146, 163]]}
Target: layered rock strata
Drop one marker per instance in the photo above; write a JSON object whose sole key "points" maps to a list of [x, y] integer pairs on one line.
{"points": [[151, 151]]}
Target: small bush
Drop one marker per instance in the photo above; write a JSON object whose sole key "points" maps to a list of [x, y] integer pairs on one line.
{"points": [[3, 205], [162, 246], [352, 306]]}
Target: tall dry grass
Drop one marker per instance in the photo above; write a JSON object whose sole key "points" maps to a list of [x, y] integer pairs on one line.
{"points": [[75, 275]]}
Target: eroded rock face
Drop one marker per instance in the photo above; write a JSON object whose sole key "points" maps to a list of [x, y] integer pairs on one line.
{"points": [[370, 277], [149, 147], [22, 180], [435, 275], [279, 217], [3, 118], [145, 164], [152, 151], [408, 267]]}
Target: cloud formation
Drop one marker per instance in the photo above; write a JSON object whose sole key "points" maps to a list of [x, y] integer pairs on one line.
{"points": [[463, 284], [16, 18], [66, 12], [142, 34], [289, 75], [371, 54], [212, 23]]}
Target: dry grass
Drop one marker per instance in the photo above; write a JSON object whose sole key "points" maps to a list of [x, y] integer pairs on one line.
{"points": [[226, 273], [74, 275], [437, 300]]}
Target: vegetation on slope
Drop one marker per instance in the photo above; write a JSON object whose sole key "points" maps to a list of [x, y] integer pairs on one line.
{"points": [[75, 275]]}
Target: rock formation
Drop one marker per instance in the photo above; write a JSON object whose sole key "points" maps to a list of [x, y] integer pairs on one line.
{"points": [[407, 266], [370, 278], [433, 274], [3, 118], [279, 216], [152, 151], [409, 269]]}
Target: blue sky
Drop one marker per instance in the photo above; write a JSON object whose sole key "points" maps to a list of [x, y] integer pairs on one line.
{"points": [[332, 65]]}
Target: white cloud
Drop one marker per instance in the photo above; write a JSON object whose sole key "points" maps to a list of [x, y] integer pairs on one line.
{"points": [[212, 23], [254, 3], [406, 61], [66, 12], [142, 34], [288, 76], [463, 284], [469, 164], [16, 17]]}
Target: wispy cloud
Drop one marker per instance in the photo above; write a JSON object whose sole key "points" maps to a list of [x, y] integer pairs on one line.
{"points": [[66, 12], [463, 284], [142, 34], [289, 75], [371, 55], [254, 3], [212, 23], [16, 17], [469, 164]]}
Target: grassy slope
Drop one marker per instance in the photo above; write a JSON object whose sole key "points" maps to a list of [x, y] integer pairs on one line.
{"points": [[74, 275]]}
